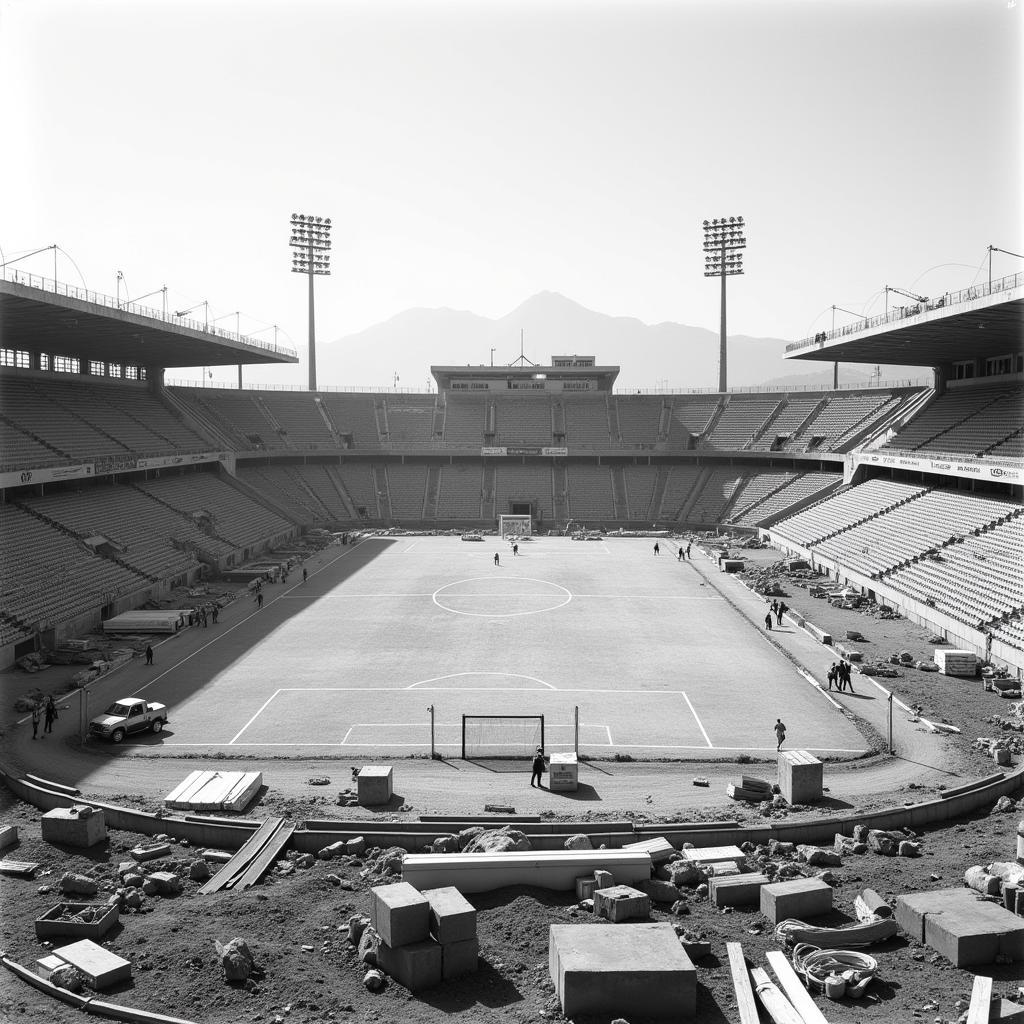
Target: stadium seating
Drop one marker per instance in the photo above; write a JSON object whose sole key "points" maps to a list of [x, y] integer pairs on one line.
{"points": [[234, 414], [410, 418], [357, 481], [523, 420], [741, 421], [286, 487], [586, 421], [407, 486], [461, 492], [682, 480], [353, 414], [464, 419], [716, 492], [22, 451], [776, 504], [524, 483], [795, 412], [639, 418], [842, 417], [640, 484], [590, 492]]}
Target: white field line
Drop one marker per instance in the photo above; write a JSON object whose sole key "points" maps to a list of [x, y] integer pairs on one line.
{"points": [[254, 717], [696, 718], [624, 746]]}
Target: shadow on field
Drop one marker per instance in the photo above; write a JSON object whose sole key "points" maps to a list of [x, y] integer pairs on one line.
{"points": [[584, 792]]}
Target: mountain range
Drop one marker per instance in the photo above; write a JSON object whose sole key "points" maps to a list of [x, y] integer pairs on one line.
{"points": [[668, 354]]}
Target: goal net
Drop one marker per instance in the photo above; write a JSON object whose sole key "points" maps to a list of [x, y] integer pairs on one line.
{"points": [[501, 736], [515, 526]]}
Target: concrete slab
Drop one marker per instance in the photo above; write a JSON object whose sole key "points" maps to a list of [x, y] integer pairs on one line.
{"points": [[799, 898], [635, 970], [452, 916], [714, 855], [801, 776], [375, 784], [913, 908], [100, 967], [8, 836], [74, 826], [621, 903], [659, 849], [417, 965], [737, 890], [400, 914], [586, 887], [547, 869], [459, 958]]}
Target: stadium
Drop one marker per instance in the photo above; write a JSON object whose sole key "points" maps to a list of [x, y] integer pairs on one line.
{"points": [[129, 502]]}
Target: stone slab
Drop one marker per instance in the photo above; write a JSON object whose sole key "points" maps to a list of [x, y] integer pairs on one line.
{"points": [[8, 836], [459, 958], [100, 967], [621, 903], [799, 898], [45, 966], [69, 827], [801, 776], [634, 971], [452, 916], [714, 855], [736, 890], [400, 914], [417, 965], [585, 887], [659, 849], [375, 785], [547, 869]]}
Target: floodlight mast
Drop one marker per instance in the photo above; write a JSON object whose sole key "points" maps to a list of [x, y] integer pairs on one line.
{"points": [[724, 243], [311, 242]]}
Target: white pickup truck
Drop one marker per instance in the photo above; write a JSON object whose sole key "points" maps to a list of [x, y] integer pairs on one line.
{"points": [[129, 715]]}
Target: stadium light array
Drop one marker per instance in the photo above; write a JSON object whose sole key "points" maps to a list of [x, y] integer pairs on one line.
{"points": [[724, 242], [311, 255]]}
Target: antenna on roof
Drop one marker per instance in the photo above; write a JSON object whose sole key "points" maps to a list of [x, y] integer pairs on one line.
{"points": [[522, 360]]}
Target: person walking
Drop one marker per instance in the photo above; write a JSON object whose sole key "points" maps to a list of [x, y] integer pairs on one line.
{"points": [[515, 548], [50, 714], [216, 613], [768, 622], [688, 546], [775, 607], [782, 609], [497, 558], [848, 675], [780, 732], [305, 575], [149, 654], [832, 675], [657, 548], [679, 555], [259, 600], [538, 768], [35, 721]]}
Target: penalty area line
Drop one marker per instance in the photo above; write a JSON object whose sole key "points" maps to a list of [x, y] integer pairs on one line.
{"points": [[696, 718]]}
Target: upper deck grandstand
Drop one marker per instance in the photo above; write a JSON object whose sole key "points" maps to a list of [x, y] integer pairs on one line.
{"points": [[110, 475]]}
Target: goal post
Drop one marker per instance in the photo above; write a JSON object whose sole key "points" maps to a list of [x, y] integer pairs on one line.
{"points": [[504, 736], [515, 526]]}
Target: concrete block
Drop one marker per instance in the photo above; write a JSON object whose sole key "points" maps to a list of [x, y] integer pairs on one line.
{"points": [[800, 776], [961, 925], [167, 882], [452, 916], [736, 890], [375, 785], [603, 879], [458, 958], [153, 851], [799, 897], [659, 891], [621, 903], [563, 773], [585, 887], [400, 914], [100, 967], [1005, 1012], [635, 971], [715, 855], [659, 850], [547, 869], [417, 965], [45, 966], [8, 836], [69, 826]]}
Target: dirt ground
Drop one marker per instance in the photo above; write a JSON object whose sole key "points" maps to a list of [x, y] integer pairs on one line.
{"points": [[296, 921]]}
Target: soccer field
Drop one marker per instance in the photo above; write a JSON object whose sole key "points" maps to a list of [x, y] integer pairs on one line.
{"points": [[657, 661]]}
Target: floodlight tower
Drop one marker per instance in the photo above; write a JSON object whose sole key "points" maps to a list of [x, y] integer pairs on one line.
{"points": [[311, 242], [724, 243]]}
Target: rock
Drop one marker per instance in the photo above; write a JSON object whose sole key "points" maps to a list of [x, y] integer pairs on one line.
{"points": [[134, 899], [829, 877], [885, 843], [682, 873], [133, 880], [446, 844], [236, 959], [860, 848], [1010, 872], [167, 883], [979, 879], [776, 848], [355, 847], [357, 924], [909, 849], [467, 835], [579, 842], [68, 977], [702, 891], [927, 666], [374, 980], [149, 887], [71, 882], [367, 948], [499, 840], [819, 858], [789, 870], [199, 871], [860, 833], [1004, 805], [660, 892], [306, 860]]}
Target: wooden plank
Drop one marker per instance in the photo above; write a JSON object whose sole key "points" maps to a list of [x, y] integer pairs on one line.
{"points": [[243, 791], [240, 861], [174, 797], [46, 783], [981, 1001], [779, 1008], [262, 861], [23, 868], [745, 1001], [794, 988]]}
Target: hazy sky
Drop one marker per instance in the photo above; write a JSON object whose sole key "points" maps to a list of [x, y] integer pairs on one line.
{"points": [[471, 154]]}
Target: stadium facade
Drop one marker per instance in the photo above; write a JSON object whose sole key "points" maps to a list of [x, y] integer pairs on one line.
{"points": [[118, 487]]}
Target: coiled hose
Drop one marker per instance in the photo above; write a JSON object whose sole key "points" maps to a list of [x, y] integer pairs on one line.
{"points": [[816, 966]]}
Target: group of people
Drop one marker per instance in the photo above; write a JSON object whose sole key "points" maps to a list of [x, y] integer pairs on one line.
{"points": [[203, 613], [684, 553], [839, 676], [46, 713], [778, 609]]}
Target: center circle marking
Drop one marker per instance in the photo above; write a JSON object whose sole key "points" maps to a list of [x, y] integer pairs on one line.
{"points": [[559, 597]]}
